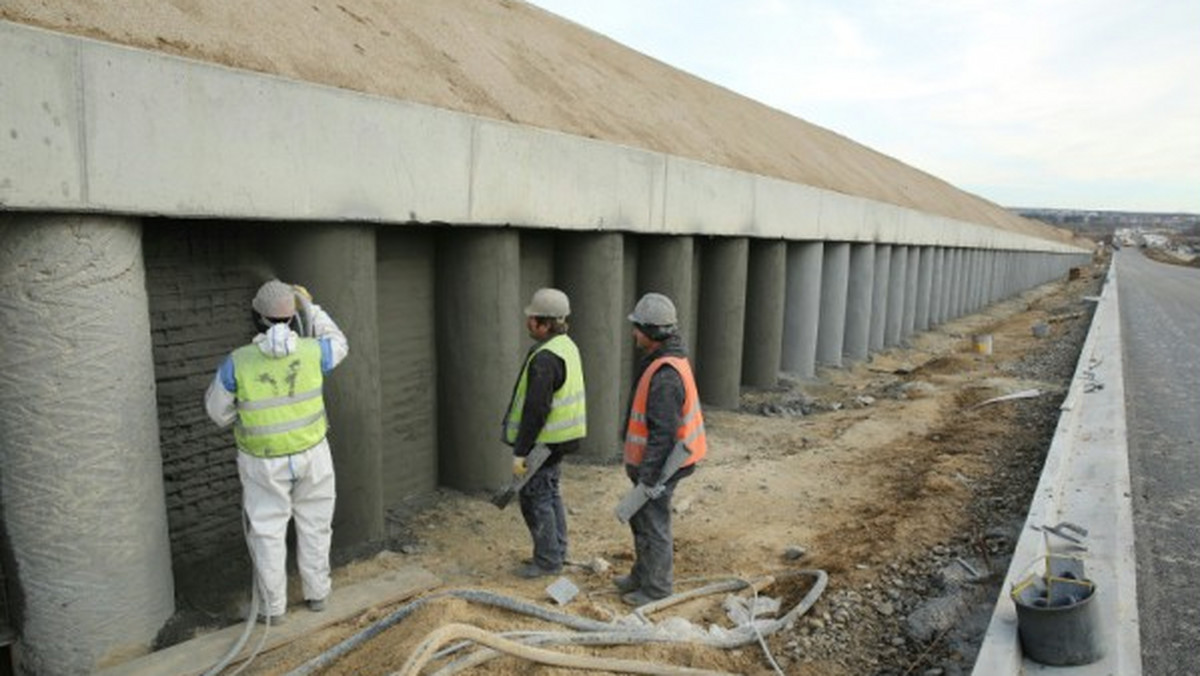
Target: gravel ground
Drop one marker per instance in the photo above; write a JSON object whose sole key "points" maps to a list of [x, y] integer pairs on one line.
{"points": [[927, 615]]}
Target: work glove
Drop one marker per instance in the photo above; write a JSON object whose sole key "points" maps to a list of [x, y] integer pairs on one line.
{"points": [[653, 492], [519, 467]]}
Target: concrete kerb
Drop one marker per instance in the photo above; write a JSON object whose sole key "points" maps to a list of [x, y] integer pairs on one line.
{"points": [[1085, 481]]}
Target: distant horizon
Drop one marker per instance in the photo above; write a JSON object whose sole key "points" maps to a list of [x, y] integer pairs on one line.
{"points": [[1108, 211]]}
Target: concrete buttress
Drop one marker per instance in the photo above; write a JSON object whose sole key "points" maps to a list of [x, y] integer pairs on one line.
{"points": [[82, 483]]}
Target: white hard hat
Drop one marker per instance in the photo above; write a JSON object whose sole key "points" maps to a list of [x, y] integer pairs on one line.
{"points": [[654, 309], [548, 303], [275, 300]]}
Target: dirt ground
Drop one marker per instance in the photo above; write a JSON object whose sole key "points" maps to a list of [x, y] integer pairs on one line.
{"points": [[880, 472]]}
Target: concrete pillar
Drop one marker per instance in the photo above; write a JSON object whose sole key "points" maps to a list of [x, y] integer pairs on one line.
{"points": [[879, 296], [956, 284], [480, 324], [897, 278], [722, 320], [860, 290], [629, 296], [911, 274], [835, 282], [925, 288], [1003, 274], [537, 267], [937, 286], [975, 280], [802, 314], [81, 483], [766, 287], [665, 265], [337, 264], [590, 268], [408, 344], [946, 255]]}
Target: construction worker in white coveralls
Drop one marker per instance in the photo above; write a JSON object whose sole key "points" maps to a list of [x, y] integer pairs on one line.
{"points": [[270, 390], [548, 407]]}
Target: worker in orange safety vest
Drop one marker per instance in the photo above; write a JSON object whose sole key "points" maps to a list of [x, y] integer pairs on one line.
{"points": [[664, 412]]}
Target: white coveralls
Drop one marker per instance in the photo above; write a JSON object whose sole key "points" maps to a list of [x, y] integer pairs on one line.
{"points": [[299, 486]]}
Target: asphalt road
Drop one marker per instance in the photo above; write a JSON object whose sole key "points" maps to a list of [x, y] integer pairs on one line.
{"points": [[1160, 325]]}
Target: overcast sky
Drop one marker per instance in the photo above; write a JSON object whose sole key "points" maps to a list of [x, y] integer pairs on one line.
{"points": [[1089, 104]]}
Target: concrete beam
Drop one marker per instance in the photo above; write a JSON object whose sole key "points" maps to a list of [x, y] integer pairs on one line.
{"points": [[99, 127]]}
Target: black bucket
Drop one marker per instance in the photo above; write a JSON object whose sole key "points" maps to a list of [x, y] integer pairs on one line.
{"points": [[1057, 620]]}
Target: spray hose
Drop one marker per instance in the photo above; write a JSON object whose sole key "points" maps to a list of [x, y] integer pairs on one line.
{"points": [[588, 631]]}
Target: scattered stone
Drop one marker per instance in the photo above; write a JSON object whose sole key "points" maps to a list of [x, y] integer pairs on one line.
{"points": [[794, 553], [682, 506]]}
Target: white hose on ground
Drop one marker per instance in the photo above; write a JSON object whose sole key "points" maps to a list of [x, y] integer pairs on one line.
{"points": [[251, 617], [241, 642], [590, 631], [618, 635], [455, 631]]}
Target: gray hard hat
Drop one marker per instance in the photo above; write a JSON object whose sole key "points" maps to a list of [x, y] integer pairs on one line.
{"points": [[275, 300], [654, 309], [548, 303]]}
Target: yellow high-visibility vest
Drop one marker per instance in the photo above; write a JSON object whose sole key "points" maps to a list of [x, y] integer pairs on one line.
{"points": [[279, 404], [567, 419]]}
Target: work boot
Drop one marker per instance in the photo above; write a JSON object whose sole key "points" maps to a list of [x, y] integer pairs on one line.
{"points": [[637, 598], [316, 605], [276, 620], [625, 583], [530, 571]]}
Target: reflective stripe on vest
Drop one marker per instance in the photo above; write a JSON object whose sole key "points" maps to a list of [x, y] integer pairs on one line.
{"points": [[279, 404], [567, 419], [691, 419]]}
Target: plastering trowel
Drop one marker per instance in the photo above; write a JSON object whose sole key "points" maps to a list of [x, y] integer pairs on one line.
{"points": [[641, 493], [533, 462]]}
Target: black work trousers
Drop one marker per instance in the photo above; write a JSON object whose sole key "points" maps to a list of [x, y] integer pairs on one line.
{"points": [[654, 545], [542, 508]]}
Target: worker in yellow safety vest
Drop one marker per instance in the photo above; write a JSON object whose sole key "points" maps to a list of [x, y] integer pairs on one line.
{"points": [[271, 392], [664, 413], [548, 407]]}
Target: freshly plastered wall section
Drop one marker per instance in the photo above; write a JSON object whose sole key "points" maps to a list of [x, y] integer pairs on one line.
{"points": [[200, 278], [408, 364]]}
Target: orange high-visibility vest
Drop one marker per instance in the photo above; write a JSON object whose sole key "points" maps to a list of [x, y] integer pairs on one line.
{"points": [[691, 423]]}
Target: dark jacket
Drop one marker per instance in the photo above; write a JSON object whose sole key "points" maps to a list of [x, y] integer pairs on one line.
{"points": [[664, 408], [547, 373]]}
